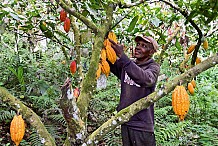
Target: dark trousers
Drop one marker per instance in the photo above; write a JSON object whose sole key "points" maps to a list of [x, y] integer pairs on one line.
{"points": [[131, 137]]}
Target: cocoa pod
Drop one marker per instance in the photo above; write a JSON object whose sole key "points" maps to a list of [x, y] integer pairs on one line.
{"points": [[103, 54], [180, 102], [105, 67], [67, 25], [191, 48], [107, 43], [73, 67], [205, 44], [63, 15], [112, 36], [76, 93], [98, 73], [198, 60], [193, 83], [17, 129], [191, 89], [111, 54]]}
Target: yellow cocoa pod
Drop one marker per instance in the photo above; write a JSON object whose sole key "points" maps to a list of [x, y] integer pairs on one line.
{"points": [[205, 44], [191, 88], [193, 83], [105, 68], [180, 102], [107, 43], [111, 54], [112, 36], [191, 48], [198, 60], [17, 129], [98, 73], [103, 54]]}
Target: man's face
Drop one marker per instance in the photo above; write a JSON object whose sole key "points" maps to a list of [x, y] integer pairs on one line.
{"points": [[143, 50]]}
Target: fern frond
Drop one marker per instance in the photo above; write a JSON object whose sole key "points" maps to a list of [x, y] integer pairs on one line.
{"points": [[161, 112], [34, 139], [171, 131], [53, 130], [58, 118], [6, 115]]}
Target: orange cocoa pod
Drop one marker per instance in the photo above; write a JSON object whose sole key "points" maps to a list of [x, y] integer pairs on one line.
{"points": [[67, 25], [191, 88], [76, 93], [205, 44], [198, 60], [17, 129], [103, 54], [107, 43], [63, 15], [112, 36], [111, 54], [193, 83], [191, 48], [180, 102], [105, 67], [73, 67], [98, 73]]}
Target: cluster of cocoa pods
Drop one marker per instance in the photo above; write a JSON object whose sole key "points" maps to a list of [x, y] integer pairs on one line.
{"points": [[191, 86], [180, 99], [65, 19], [107, 54], [192, 48]]}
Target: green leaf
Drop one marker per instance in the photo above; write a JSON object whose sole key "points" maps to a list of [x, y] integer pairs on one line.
{"points": [[48, 34], [20, 73], [42, 26], [178, 46], [13, 71], [133, 23], [85, 13], [191, 15], [62, 34]]}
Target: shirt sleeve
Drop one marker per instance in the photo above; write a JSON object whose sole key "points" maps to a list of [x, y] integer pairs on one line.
{"points": [[117, 67]]}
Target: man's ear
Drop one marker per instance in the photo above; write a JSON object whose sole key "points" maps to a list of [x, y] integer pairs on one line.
{"points": [[152, 51]]}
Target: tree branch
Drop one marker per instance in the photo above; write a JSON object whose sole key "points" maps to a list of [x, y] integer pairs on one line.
{"points": [[125, 114], [77, 38], [85, 20], [89, 82], [30, 116], [71, 114]]}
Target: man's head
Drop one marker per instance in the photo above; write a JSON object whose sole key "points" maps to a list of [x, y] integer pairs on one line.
{"points": [[149, 40], [145, 47]]}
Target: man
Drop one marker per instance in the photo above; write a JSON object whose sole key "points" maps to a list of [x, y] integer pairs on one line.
{"points": [[138, 79]]}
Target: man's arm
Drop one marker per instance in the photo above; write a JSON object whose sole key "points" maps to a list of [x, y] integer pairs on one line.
{"points": [[144, 77]]}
